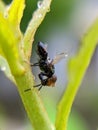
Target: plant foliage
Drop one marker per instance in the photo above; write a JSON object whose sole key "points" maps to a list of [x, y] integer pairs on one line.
{"points": [[15, 49]]}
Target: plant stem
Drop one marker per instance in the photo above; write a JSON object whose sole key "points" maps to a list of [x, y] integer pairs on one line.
{"points": [[32, 102], [38, 17]]}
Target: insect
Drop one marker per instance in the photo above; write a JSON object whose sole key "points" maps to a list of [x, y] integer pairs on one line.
{"points": [[47, 75]]}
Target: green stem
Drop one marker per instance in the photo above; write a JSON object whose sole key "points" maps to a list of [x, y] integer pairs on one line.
{"points": [[77, 68], [32, 102], [15, 56], [36, 20]]}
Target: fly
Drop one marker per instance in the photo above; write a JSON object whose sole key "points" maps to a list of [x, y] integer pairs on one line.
{"points": [[47, 75]]}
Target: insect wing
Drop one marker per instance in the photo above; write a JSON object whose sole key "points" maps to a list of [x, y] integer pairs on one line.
{"points": [[59, 57]]}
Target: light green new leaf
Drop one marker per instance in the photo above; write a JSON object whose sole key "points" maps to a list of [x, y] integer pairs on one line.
{"points": [[15, 11], [77, 68], [5, 68], [8, 43]]}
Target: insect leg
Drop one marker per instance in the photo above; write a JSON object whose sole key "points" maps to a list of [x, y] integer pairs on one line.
{"points": [[37, 85], [30, 88], [27, 89], [35, 64], [40, 88]]}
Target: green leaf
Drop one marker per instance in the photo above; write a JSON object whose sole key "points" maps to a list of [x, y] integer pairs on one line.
{"points": [[9, 45], [77, 68], [15, 11], [5, 68]]}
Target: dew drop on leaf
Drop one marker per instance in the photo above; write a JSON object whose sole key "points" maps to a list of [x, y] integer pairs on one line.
{"points": [[39, 4]]}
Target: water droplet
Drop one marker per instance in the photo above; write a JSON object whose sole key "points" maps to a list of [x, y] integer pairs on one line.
{"points": [[3, 68], [39, 4]]}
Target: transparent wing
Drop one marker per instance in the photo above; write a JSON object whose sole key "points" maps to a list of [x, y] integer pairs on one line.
{"points": [[59, 57]]}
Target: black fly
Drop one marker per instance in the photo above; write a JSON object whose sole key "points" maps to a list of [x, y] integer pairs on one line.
{"points": [[46, 65]]}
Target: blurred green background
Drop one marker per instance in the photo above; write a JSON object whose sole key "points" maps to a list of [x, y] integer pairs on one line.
{"points": [[62, 29]]}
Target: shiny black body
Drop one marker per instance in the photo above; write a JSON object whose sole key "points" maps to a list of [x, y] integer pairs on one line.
{"points": [[41, 51], [46, 67], [46, 75]]}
